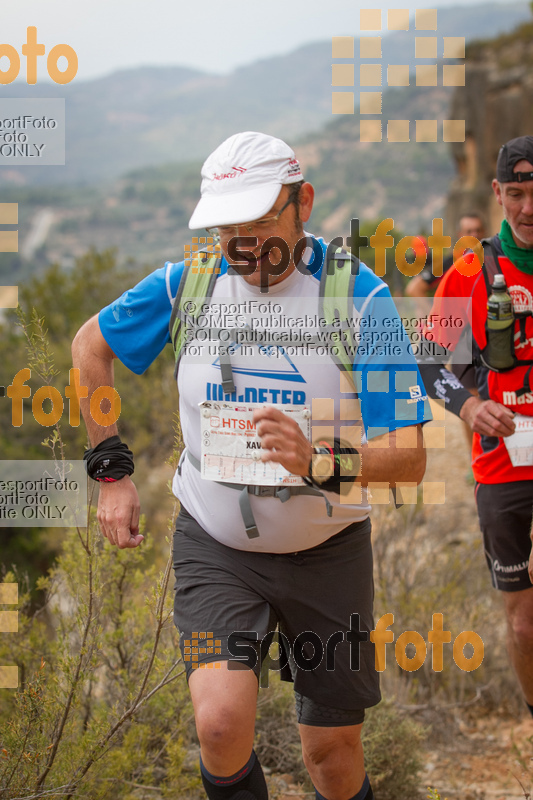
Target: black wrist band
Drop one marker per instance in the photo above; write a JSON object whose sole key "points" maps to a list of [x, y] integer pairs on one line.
{"points": [[347, 467], [109, 461]]}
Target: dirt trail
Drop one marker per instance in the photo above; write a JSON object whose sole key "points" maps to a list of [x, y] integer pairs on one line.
{"points": [[484, 755], [478, 757], [485, 762]]}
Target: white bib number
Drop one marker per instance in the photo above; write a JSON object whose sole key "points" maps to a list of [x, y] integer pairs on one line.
{"points": [[520, 444], [231, 448]]}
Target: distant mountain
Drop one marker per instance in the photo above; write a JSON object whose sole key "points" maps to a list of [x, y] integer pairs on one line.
{"points": [[371, 181], [155, 115], [144, 213], [497, 105]]}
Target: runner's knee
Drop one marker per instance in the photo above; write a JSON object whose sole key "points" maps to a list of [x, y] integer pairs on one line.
{"points": [[224, 707], [327, 749], [222, 728], [521, 629]]}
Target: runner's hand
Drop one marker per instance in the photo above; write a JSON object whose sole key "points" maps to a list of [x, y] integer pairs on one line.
{"points": [[488, 417], [118, 513], [282, 440]]}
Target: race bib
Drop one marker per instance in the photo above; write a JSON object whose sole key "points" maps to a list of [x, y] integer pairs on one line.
{"points": [[520, 444], [231, 448]]}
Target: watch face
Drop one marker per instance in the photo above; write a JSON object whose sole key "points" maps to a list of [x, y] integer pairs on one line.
{"points": [[322, 465]]}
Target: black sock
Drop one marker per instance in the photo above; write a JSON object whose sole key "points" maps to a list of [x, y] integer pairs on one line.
{"points": [[247, 783], [530, 709], [364, 793]]}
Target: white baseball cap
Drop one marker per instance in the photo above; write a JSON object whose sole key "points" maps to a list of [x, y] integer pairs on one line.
{"points": [[242, 179]]}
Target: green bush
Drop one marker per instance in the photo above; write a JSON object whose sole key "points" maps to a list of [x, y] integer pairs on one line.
{"points": [[102, 706], [393, 746], [392, 742], [103, 703]]}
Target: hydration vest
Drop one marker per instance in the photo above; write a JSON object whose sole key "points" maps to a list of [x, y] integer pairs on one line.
{"points": [[336, 307], [336, 290], [491, 268]]}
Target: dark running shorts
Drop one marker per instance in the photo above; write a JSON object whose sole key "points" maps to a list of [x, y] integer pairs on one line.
{"points": [[505, 511], [313, 596]]}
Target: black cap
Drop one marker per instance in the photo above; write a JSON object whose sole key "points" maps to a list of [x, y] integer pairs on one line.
{"points": [[511, 153]]}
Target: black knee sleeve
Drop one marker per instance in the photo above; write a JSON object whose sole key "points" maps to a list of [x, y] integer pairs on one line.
{"points": [[252, 786]]}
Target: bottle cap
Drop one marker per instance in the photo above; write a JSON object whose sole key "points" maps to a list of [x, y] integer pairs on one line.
{"points": [[499, 281]]}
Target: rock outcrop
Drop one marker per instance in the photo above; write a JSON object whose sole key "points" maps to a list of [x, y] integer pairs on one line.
{"points": [[496, 104]]}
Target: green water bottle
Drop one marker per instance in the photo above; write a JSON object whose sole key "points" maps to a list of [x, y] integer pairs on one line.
{"points": [[500, 326]]}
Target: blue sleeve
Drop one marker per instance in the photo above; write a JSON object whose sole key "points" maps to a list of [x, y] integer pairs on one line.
{"points": [[386, 375], [136, 325]]}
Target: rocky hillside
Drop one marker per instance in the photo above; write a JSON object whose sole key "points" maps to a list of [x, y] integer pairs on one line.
{"points": [[497, 104], [156, 115]]}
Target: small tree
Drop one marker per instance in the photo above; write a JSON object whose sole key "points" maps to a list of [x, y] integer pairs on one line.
{"points": [[102, 702]]}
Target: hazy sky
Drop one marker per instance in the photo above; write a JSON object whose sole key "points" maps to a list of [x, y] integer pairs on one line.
{"points": [[206, 34]]}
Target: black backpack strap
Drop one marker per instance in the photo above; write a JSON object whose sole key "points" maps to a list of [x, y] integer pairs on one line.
{"points": [[490, 268], [226, 371], [491, 264], [526, 386]]}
